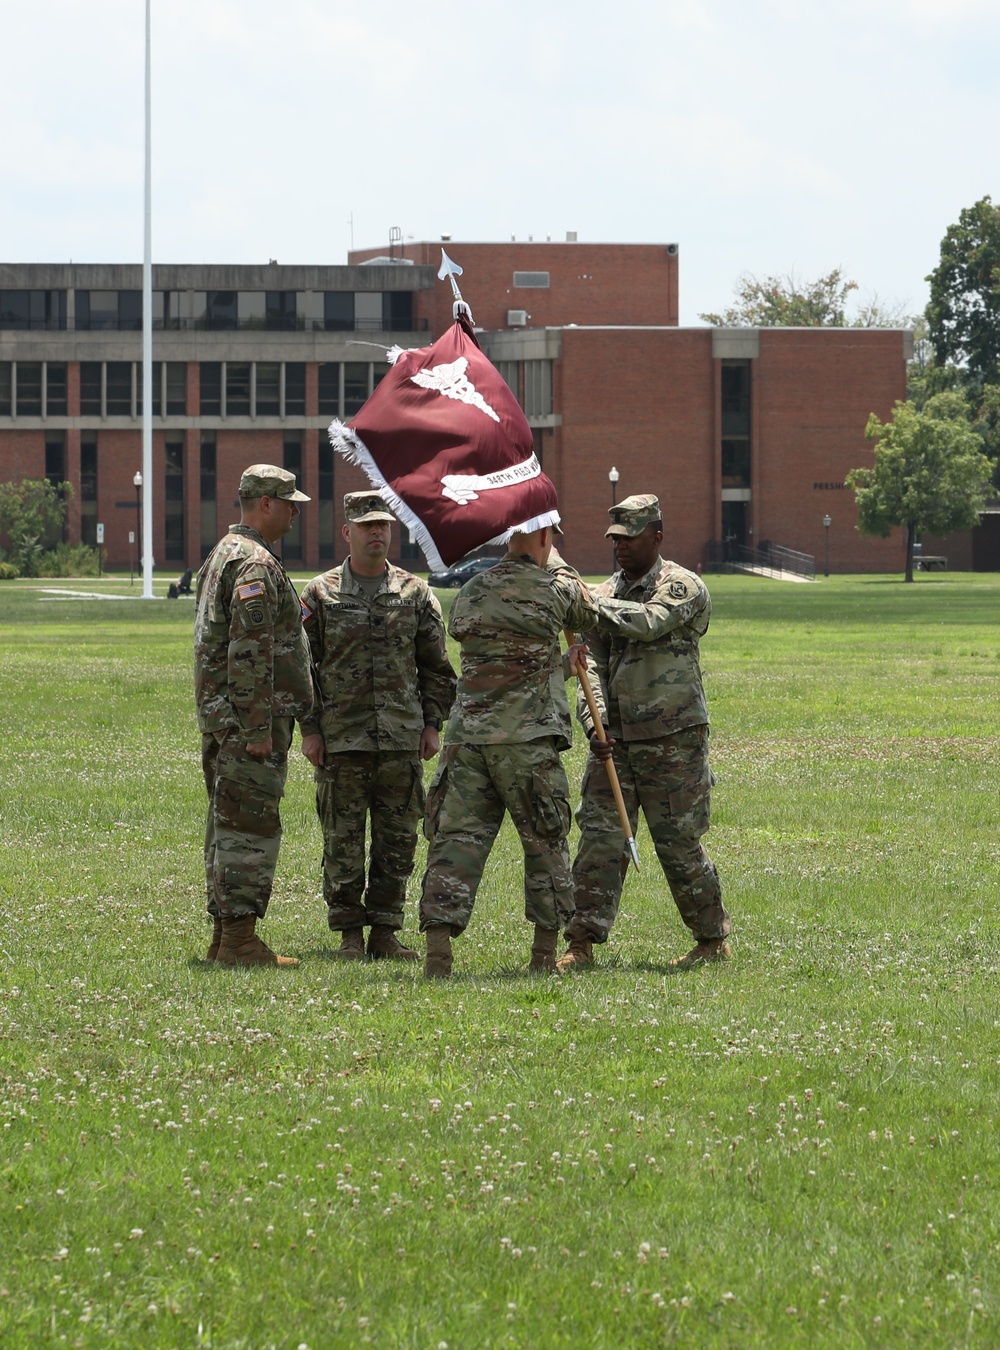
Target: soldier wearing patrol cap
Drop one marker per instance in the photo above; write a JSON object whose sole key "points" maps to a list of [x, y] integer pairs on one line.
{"points": [[252, 679], [378, 643], [647, 682]]}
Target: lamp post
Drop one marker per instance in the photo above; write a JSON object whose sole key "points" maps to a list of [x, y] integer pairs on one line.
{"points": [[613, 477], [827, 522], [137, 480]]}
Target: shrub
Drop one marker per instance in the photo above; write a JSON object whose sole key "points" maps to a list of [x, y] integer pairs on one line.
{"points": [[8, 572], [68, 560]]}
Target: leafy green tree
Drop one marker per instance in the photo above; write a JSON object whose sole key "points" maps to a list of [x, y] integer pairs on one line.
{"points": [[785, 302], [32, 515], [930, 472], [963, 315]]}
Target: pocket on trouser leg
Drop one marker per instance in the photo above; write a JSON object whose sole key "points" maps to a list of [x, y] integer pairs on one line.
{"points": [[245, 809], [550, 809], [691, 805], [433, 801]]}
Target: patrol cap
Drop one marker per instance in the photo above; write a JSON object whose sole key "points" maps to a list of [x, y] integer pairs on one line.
{"points": [[267, 480], [630, 517], [361, 507]]}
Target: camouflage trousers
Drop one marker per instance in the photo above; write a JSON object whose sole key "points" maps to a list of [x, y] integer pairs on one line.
{"points": [[243, 832], [472, 789], [388, 788], [670, 779]]}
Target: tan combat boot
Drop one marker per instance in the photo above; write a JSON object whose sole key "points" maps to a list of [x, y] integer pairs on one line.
{"points": [[241, 946], [352, 945], [213, 949], [437, 962], [717, 949], [580, 952], [543, 951], [384, 945]]}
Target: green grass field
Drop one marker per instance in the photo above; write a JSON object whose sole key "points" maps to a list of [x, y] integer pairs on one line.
{"points": [[799, 1148]]}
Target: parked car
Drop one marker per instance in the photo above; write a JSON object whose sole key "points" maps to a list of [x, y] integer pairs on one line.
{"points": [[461, 572]]}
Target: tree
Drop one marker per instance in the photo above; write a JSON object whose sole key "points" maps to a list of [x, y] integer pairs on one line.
{"points": [[785, 302], [964, 310], [32, 514], [930, 472]]}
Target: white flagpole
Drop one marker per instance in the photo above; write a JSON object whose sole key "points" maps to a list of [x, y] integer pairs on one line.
{"points": [[147, 352]]}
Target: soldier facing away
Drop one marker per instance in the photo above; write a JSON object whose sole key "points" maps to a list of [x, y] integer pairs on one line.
{"points": [[644, 655], [378, 642], [501, 754], [252, 679]]}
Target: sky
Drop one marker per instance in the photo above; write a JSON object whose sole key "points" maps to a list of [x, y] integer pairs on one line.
{"points": [[763, 137]]}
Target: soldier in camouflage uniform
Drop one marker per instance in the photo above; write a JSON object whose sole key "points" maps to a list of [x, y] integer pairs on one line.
{"points": [[501, 753], [378, 642], [647, 682], [252, 679]]}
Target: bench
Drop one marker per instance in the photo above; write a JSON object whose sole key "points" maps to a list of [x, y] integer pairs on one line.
{"points": [[930, 562]]}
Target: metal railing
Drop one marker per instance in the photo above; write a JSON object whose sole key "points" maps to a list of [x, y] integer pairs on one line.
{"points": [[769, 560]]}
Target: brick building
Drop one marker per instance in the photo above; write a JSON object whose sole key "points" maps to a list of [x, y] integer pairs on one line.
{"points": [[746, 435]]}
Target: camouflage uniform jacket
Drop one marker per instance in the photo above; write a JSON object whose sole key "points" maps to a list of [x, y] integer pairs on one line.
{"points": [[508, 620], [251, 658], [382, 662], [644, 653]]}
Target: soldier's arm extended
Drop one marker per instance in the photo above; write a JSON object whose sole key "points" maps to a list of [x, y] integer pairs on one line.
{"points": [[435, 676], [675, 602], [251, 654], [597, 670]]}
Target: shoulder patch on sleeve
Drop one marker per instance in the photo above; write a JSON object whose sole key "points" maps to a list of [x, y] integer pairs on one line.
{"points": [[306, 611], [677, 590], [250, 590]]}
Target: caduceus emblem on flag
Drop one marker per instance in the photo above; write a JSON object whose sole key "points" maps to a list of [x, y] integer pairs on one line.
{"points": [[445, 441]]}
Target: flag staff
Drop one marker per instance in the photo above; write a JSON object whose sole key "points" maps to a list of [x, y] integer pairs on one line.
{"points": [[609, 764]]}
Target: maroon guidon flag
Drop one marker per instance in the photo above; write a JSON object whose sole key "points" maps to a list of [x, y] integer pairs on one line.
{"points": [[446, 443]]}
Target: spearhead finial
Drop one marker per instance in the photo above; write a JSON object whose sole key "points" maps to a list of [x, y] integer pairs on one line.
{"points": [[450, 269]]}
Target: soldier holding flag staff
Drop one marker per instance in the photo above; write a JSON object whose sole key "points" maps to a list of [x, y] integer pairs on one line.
{"points": [[647, 683]]}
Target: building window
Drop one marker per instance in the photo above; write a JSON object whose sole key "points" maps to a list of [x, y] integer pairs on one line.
{"points": [[208, 525], [237, 389], [221, 311], [55, 389], [88, 488], [90, 388], [329, 387], [210, 378], [295, 389], [325, 515], [167, 310], [173, 498], [268, 388], [6, 388], [537, 388], [55, 457], [338, 311], [538, 281], [292, 545], [119, 395], [175, 375], [33, 310], [736, 424], [355, 386], [397, 311], [280, 311], [28, 389], [109, 311]]}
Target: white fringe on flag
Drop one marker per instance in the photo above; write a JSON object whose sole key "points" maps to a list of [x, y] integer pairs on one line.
{"points": [[347, 443]]}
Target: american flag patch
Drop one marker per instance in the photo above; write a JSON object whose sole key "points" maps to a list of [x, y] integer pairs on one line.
{"points": [[251, 589], [306, 611]]}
